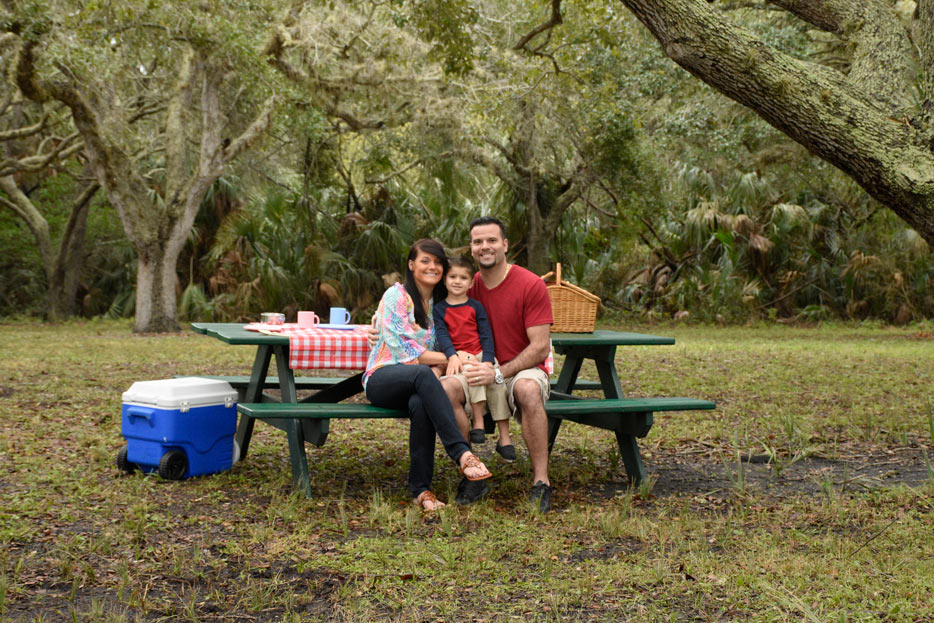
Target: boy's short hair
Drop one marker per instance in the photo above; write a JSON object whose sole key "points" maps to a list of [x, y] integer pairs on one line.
{"points": [[462, 262]]}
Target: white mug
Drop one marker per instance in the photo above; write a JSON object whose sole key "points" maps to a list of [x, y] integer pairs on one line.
{"points": [[339, 315], [308, 319]]}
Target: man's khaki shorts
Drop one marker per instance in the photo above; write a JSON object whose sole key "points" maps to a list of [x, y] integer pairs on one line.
{"points": [[534, 374]]}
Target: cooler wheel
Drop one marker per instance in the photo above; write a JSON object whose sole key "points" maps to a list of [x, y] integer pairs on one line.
{"points": [[173, 465], [123, 463]]}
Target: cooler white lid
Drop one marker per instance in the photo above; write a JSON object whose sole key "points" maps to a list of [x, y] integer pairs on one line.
{"points": [[171, 393]]}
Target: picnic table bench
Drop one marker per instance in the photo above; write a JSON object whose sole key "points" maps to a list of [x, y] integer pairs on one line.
{"points": [[628, 418], [307, 420]]}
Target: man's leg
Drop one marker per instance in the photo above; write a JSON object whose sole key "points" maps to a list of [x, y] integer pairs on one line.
{"points": [[528, 397]]}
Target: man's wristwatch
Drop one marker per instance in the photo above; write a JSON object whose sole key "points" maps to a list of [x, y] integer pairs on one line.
{"points": [[498, 377]]}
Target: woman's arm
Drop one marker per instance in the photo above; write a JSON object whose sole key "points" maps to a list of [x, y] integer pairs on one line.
{"points": [[397, 329]]}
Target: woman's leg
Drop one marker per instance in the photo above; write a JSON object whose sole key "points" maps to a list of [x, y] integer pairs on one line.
{"points": [[416, 389]]}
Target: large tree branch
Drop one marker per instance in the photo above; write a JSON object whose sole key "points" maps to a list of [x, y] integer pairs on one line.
{"points": [[176, 129], [507, 176], [814, 105], [883, 57], [925, 30], [253, 132], [23, 207], [16, 133], [62, 149]]}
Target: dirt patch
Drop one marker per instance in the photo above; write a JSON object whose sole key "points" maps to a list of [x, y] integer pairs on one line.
{"points": [[703, 472]]}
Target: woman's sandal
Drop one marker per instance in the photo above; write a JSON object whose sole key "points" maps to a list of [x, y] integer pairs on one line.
{"points": [[473, 462], [427, 497]]}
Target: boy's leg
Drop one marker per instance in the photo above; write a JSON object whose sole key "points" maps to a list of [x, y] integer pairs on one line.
{"points": [[478, 409], [476, 394], [504, 438]]}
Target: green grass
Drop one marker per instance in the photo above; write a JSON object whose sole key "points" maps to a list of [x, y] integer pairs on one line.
{"points": [[821, 532]]}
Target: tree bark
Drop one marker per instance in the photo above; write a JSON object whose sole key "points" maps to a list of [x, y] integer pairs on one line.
{"points": [[840, 118]]}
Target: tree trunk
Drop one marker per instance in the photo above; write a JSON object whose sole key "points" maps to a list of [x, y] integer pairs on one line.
{"points": [[538, 241], [66, 274], [156, 302]]}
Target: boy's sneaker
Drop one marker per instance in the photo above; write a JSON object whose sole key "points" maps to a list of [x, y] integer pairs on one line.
{"points": [[507, 452], [477, 435], [541, 496]]}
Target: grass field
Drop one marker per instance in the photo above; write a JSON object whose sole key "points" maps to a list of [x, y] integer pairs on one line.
{"points": [[806, 496]]}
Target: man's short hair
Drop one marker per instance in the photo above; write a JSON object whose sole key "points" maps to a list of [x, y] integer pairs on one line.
{"points": [[488, 220]]}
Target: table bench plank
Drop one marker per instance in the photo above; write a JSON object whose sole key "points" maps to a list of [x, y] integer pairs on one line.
{"points": [[627, 417]]}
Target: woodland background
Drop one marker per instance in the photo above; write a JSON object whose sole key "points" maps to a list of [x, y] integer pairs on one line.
{"points": [[212, 160]]}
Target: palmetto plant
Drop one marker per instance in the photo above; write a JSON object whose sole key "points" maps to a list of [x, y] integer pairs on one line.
{"points": [[734, 251]]}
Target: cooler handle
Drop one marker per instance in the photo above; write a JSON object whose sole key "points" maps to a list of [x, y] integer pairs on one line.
{"points": [[144, 413]]}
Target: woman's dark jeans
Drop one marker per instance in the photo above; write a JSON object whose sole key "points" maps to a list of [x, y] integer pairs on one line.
{"points": [[416, 389]]}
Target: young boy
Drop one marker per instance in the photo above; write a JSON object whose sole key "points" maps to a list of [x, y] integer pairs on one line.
{"points": [[464, 335]]}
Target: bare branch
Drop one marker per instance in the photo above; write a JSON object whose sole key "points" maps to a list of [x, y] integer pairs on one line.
{"points": [[411, 165], [24, 132], [252, 133], [544, 27]]}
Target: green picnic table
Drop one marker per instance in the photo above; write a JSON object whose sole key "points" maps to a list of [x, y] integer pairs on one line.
{"points": [[308, 420]]}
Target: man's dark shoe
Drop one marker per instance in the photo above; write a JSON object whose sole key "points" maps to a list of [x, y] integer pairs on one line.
{"points": [[471, 491], [507, 452], [541, 496], [477, 435]]}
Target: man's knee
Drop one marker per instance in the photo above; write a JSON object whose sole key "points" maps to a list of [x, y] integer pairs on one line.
{"points": [[528, 395]]}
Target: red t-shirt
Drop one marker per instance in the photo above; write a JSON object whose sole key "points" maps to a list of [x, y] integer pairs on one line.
{"points": [[519, 302]]}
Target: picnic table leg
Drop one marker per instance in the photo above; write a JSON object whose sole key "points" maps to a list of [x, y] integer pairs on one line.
{"points": [[554, 424], [293, 427], [568, 376], [609, 379], [632, 460], [626, 438], [254, 393]]}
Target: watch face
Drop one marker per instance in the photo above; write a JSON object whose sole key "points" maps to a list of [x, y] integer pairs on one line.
{"points": [[498, 378]]}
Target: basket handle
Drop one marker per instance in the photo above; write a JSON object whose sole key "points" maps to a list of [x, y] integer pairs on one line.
{"points": [[558, 273]]}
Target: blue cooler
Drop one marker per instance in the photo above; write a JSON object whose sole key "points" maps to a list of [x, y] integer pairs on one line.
{"points": [[179, 427]]}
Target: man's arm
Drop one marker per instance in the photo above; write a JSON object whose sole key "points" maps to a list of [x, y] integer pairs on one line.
{"points": [[533, 354]]}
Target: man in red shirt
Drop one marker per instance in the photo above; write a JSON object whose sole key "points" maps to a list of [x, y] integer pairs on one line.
{"points": [[519, 309]]}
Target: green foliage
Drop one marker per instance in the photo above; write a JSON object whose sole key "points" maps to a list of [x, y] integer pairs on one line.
{"points": [[448, 24]]}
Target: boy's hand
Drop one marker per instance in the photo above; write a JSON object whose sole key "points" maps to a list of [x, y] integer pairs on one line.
{"points": [[454, 365]]}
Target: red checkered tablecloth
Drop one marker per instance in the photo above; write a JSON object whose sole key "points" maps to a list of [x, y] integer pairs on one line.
{"points": [[327, 348], [337, 349]]}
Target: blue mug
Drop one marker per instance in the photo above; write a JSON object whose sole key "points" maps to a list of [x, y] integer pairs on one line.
{"points": [[339, 315]]}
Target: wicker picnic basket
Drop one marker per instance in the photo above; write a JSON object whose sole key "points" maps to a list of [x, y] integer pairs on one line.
{"points": [[574, 309]]}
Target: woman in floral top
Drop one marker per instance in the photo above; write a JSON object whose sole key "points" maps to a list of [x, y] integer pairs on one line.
{"points": [[399, 375]]}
